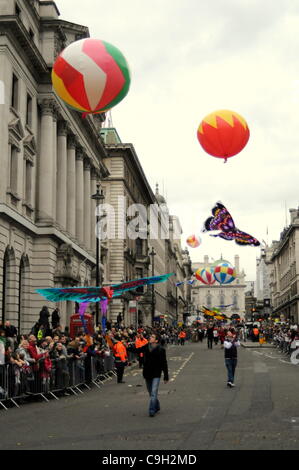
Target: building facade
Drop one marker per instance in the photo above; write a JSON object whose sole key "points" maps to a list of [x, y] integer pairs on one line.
{"points": [[217, 295], [285, 272], [51, 160]]}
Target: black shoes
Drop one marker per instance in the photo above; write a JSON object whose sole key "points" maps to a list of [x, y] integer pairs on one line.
{"points": [[121, 382]]}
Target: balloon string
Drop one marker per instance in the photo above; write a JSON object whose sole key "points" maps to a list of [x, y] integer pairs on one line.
{"points": [[225, 160]]}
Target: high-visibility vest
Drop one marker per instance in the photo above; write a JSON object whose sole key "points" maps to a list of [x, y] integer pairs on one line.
{"points": [[139, 343], [120, 351]]}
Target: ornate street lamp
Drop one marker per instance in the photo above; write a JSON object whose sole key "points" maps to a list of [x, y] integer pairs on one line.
{"points": [[99, 198], [153, 254]]}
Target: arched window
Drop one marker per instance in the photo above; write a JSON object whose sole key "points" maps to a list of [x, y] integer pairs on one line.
{"points": [[209, 300], [235, 300]]}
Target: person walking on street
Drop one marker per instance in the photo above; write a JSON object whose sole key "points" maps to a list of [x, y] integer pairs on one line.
{"points": [[210, 336], [139, 342], [182, 337], [231, 343], [216, 336], [121, 358], [155, 363]]}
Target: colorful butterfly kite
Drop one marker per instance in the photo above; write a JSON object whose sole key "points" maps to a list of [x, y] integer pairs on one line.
{"points": [[223, 221], [96, 294]]}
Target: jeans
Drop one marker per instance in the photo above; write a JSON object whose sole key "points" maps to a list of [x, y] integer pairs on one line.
{"points": [[210, 343], [231, 365], [152, 388]]}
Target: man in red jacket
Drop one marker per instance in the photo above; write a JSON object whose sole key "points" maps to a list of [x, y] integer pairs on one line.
{"points": [[36, 355]]}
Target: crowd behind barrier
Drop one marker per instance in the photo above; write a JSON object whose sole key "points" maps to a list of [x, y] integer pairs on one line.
{"points": [[47, 363]]}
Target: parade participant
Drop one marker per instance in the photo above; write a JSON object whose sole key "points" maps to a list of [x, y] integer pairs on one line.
{"points": [[121, 357], [182, 337], [230, 354], [215, 335], [222, 334], [210, 336], [139, 342], [154, 363]]}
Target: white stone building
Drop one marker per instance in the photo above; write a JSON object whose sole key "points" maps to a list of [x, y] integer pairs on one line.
{"points": [[285, 271], [217, 295], [51, 160]]}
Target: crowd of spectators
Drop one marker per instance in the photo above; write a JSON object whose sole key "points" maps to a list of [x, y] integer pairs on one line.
{"points": [[47, 358]]}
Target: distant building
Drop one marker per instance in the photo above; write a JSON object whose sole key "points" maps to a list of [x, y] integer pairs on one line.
{"points": [[216, 295], [285, 271]]}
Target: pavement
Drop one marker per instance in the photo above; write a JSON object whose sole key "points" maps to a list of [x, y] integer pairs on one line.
{"points": [[198, 410]]}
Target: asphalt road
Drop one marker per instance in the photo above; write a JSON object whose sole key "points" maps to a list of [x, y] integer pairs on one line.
{"points": [[198, 411]]}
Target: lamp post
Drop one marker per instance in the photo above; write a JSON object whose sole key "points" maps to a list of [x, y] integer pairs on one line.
{"points": [[176, 305], [99, 198], [153, 254]]}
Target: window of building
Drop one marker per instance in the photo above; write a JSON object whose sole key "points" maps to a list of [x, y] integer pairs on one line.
{"points": [[28, 183], [29, 111], [139, 275], [139, 246], [15, 92], [209, 301], [14, 169]]}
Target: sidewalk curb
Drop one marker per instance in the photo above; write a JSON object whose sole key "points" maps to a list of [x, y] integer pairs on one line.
{"points": [[257, 345]]}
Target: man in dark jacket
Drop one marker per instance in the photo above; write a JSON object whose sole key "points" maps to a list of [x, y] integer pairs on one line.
{"points": [[154, 363], [210, 336]]}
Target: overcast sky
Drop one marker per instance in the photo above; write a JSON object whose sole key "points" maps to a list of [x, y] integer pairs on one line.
{"points": [[189, 58]]}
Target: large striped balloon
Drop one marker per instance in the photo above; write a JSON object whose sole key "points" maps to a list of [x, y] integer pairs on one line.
{"points": [[91, 76], [224, 273], [205, 276]]}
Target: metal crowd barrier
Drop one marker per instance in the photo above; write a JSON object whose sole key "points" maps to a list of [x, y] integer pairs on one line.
{"points": [[17, 383]]}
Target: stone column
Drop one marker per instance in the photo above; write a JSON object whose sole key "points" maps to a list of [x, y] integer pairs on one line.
{"points": [[55, 116], [61, 207], [46, 166], [71, 186], [79, 196], [92, 206], [87, 195]]}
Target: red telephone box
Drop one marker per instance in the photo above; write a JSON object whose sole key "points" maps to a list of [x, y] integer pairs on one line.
{"points": [[76, 324]]}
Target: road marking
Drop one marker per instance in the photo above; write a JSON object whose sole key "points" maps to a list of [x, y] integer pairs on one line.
{"points": [[177, 372]]}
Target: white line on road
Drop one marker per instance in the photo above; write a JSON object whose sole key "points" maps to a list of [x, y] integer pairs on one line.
{"points": [[177, 372]]}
